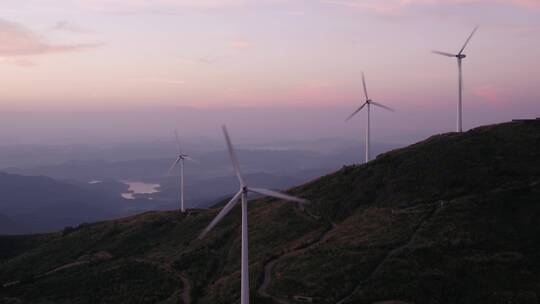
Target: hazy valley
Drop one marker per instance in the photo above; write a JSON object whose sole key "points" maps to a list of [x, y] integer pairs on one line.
{"points": [[49, 197], [436, 222]]}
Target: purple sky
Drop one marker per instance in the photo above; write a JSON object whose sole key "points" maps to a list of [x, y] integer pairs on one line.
{"points": [[281, 68]]}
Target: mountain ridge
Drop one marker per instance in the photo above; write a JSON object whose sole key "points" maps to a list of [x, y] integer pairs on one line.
{"points": [[436, 222]]}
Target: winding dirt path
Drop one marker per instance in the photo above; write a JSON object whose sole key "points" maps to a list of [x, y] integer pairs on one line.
{"points": [[167, 267], [268, 267], [262, 291], [96, 257], [186, 291], [186, 283], [63, 267], [392, 253]]}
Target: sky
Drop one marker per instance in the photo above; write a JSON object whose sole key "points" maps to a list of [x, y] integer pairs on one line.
{"points": [[279, 68]]}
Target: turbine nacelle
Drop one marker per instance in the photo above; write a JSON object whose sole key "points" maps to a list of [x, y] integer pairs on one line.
{"points": [[179, 162], [244, 189], [459, 56], [242, 196], [368, 101]]}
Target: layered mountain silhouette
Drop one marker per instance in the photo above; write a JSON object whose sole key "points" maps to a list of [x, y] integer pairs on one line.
{"points": [[452, 219], [40, 203]]}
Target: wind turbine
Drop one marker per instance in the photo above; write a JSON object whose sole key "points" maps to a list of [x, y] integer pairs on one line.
{"points": [[180, 161], [242, 195], [367, 103], [460, 56]]}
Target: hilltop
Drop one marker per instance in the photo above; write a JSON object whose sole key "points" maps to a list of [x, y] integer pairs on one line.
{"points": [[452, 219]]}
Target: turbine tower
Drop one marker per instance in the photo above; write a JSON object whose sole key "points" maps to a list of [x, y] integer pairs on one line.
{"points": [[180, 163], [242, 195], [367, 103], [460, 56]]}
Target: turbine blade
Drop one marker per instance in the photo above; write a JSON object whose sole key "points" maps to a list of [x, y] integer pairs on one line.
{"points": [[468, 39], [382, 106], [224, 211], [358, 110], [364, 84], [279, 195], [191, 159], [234, 159], [443, 53], [177, 141], [174, 165]]}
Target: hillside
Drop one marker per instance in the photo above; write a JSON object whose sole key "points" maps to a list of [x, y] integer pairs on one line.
{"points": [[452, 219]]}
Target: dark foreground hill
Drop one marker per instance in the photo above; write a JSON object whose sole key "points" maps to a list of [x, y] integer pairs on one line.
{"points": [[452, 219]]}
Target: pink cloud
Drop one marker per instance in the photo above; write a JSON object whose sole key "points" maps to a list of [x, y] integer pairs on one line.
{"points": [[20, 62], [70, 27], [239, 44], [319, 92], [167, 81], [527, 3], [17, 40], [519, 28], [490, 93], [107, 4], [396, 7]]}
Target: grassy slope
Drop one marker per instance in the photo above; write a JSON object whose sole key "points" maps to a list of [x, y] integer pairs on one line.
{"points": [[453, 219]]}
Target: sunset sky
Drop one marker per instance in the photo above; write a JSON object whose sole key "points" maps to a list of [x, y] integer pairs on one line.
{"points": [[111, 55]]}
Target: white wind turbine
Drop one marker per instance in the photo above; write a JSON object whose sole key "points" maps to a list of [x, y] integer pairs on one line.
{"points": [[242, 195], [367, 103], [459, 57], [180, 161]]}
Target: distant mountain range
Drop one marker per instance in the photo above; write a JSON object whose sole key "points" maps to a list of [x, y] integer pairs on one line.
{"points": [[208, 180], [34, 204], [452, 219], [39, 203], [208, 164]]}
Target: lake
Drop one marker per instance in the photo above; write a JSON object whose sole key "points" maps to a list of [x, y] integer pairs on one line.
{"points": [[139, 188]]}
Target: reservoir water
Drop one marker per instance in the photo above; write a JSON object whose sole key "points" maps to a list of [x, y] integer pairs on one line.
{"points": [[139, 188]]}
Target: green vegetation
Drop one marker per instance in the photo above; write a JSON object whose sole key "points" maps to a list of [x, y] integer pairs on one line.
{"points": [[452, 219]]}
